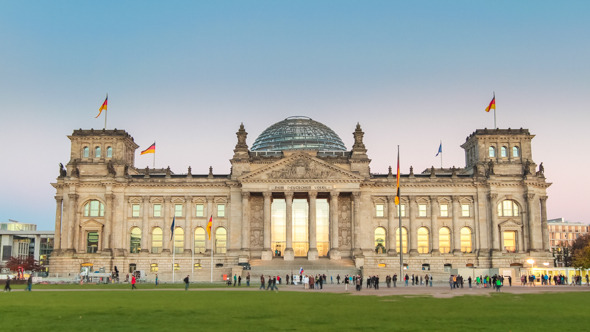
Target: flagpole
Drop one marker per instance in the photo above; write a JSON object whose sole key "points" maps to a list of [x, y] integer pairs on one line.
{"points": [[495, 126], [173, 256], [399, 214], [441, 163], [154, 162], [193, 258], [211, 261]]}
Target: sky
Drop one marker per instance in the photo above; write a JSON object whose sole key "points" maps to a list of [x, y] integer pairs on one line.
{"points": [[186, 74]]}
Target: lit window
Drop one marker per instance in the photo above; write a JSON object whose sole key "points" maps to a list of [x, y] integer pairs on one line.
{"points": [[135, 210], [503, 152], [423, 243], [135, 240], [178, 240], [157, 210], [199, 240], [176, 267], [465, 210], [198, 266], [220, 240], [200, 210], [404, 245], [444, 210], [508, 208], [380, 240], [94, 208], [379, 210], [421, 210], [109, 152], [153, 267], [515, 152], [492, 151], [178, 210], [221, 210], [157, 240], [85, 152], [402, 210], [97, 152], [465, 239], [92, 242], [510, 241], [444, 240]]}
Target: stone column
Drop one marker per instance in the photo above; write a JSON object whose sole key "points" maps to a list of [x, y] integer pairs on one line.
{"points": [[267, 253], [312, 254], [145, 224], [535, 234], [73, 224], [433, 233], [188, 230], [412, 243], [356, 201], [245, 222], [334, 243], [456, 238], [391, 225], [167, 214], [58, 219], [289, 253], [544, 227], [494, 229], [107, 245]]}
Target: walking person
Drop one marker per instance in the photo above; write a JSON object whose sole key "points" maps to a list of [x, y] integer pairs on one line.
{"points": [[133, 281], [7, 285], [157, 280], [261, 282], [186, 282], [30, 282], [248, 280]]}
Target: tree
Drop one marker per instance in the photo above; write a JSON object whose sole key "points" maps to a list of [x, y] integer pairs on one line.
{"points": [[581, 252], [28, 264]]}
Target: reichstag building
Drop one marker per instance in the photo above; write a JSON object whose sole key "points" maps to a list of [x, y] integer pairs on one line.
{"points": [[299, 196]]}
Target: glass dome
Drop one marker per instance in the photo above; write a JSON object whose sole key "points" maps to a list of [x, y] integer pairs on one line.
{"points": [[298, 133]]}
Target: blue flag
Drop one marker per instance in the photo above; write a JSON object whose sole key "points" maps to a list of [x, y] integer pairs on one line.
{"points": [[439, 149], [172, 228]]}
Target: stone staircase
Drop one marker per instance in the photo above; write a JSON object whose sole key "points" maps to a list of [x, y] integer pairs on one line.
{"points": [[278, 266]]}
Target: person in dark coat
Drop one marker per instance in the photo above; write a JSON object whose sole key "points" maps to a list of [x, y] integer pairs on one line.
{"points": [[7, 285]]}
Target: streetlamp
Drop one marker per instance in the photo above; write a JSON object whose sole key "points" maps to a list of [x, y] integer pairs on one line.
{"points": [[532, 262]]}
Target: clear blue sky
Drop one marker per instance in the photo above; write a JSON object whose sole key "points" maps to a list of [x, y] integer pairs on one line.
{"points": [[187, 73]]}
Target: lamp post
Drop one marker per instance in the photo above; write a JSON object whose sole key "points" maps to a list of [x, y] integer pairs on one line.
{"points": [[532, 262]]}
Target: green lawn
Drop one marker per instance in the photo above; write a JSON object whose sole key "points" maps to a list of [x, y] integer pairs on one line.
{"points": [[270, 311]]}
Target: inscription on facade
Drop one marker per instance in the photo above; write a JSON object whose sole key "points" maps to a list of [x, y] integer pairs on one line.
{"points": [[300, 188]]}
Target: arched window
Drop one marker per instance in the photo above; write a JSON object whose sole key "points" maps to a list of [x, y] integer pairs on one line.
{"points": [[97, 152], [94, 208], [515, 151], [508, 208], [423, 243], [85, 152], [492, 152], [444, 240], [135, 240], [109, 152], [199, 240], [380, 240], [178, 240], [156, 240], [465, 239], [220, 240], [503, 152], [404, 245]]}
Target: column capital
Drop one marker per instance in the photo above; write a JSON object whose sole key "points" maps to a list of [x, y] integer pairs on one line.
{"points": [[312, 194], [146, 199], [543, 199], [492, 196], [455, 198], [209, 198], [245, 194], [530, 197], [391, 199], [167, 199], [356, 194], [59, 198], [267, 194], [334, 194], [73, 196], [289, 195], [109, 196], [188, 198]]}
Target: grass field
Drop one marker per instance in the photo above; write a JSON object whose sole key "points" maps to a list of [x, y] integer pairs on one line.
{"points": [[205, 310]]}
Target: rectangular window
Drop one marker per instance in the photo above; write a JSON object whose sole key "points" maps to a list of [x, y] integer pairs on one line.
{"points": [[221, 210], [465, 210], [510, 241], [444, 210], [402, 210], [421, 210], [199, 210], [157, 210], [135, 210], [178, 210], [153, 267], [379, 210]]}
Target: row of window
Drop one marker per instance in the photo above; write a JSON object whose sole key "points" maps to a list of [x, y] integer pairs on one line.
{"points": [[97, 152], [444, 240], [154, 267], [506, 208], [95, 208], [503, 152]]}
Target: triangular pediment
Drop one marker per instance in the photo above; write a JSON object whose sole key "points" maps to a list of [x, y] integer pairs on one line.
{"points": [[91, 224], [301, 167], [510, 224]]}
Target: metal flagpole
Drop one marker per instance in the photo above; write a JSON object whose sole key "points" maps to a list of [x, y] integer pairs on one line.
{"points": [[154, 163], [106, 111], [193, 258], [441, 153], [495, 126], [399, 214], [173, 256], [211, 261]]}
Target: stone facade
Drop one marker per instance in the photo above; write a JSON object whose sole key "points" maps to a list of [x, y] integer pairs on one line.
{"points": [[489, 214]]}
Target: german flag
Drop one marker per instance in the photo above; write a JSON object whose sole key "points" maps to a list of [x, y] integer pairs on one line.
{"points": [[151, 149], [209, 225], [397, 180], [492, 105], [103, 106]]}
